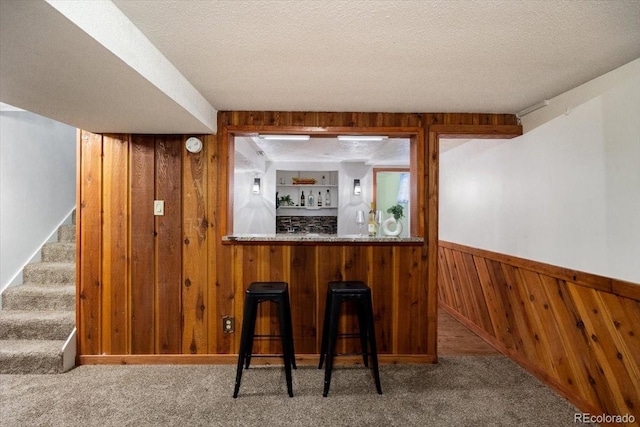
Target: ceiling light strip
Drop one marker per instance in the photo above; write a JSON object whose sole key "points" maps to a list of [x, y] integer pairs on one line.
{"points": [[285, 137], [361, 138]]}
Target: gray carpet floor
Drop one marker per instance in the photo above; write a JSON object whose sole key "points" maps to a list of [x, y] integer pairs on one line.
{"points": [[458, 391]]}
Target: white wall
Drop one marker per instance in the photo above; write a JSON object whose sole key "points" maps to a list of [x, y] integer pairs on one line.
{"points": [[566, 193], [255, 214], [37, 186]]}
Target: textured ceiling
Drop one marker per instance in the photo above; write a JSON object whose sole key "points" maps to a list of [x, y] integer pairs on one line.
{"points": [[119, 67], [397, 56]]}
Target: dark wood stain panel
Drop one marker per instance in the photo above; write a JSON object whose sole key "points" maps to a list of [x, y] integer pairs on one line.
{"points": [[578, 338]]}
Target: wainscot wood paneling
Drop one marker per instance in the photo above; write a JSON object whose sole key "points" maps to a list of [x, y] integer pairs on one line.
{"points": [[578, 332], [154, 289]]}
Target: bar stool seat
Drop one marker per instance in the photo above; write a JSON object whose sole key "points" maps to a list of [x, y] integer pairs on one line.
{"points": [[358, 293], [259, 292]]}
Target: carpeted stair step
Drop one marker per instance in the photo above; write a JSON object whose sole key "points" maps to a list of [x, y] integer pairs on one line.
{"points": [[49, 272], [31, 357], [32, 296], [36, 325], [59, 252], [67, 233]]}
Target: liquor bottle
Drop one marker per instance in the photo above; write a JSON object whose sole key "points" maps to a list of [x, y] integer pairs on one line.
{"points": [[310, 200], [372, 221], [327, 199], [302, 199], [319, 199]]}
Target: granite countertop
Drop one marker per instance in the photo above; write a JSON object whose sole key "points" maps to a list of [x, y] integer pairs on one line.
{"points": [[320, 238]]}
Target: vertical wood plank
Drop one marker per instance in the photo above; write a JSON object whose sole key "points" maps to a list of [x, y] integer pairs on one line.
{"points": [[329, 262], [90, 241], [355, 260], [431, 179], [381, 276], [115, 273], [142, 240], [169, 245], [194, 252], [302, 288], [411, 300], [221, 292]]}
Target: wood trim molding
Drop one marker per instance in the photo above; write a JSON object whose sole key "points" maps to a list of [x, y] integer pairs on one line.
{"points": [[589, 280], [232, 359], [476, 131]]}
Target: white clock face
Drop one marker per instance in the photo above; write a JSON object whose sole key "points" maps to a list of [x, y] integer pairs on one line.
{"points": [[194, 145]]}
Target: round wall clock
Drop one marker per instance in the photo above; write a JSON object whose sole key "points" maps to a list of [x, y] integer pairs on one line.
{"points": [[193, 145]]}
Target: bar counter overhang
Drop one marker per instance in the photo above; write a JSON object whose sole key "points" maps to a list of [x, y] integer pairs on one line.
{"points": [[320, 239]]}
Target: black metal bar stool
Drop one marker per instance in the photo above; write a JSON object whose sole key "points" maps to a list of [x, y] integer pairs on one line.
{"points": [[360, 294], [257, 293]]}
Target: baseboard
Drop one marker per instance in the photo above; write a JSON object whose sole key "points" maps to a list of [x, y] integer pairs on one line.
{"points": [[69, 351], [231, 359]]}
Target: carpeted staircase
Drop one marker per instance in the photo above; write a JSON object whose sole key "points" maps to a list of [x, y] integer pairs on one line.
{"points": [[38, 316]]}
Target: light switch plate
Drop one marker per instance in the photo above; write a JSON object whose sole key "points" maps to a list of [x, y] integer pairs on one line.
{"points": [[158, 207]]}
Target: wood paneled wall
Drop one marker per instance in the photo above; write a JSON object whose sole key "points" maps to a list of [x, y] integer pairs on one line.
{"points": [[578, 332], [155, 288]]}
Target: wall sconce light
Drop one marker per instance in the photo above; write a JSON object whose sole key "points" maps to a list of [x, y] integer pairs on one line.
{"points": [[256, 186], [357, 189]]}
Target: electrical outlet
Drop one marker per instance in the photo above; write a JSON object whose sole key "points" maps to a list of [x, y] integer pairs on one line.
{"points": [[228, 324]]}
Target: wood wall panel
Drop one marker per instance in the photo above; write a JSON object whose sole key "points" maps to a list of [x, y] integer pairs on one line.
{"points": [[194, 253], [581, 340], [142, 243], [161, 285], [115, 260], [89, 286], [169, 245]]}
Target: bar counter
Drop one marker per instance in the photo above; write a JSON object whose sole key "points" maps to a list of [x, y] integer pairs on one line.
{"points": [[313, 238]]}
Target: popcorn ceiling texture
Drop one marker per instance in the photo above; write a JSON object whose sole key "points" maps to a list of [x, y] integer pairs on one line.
{"points": [[489, 56], [392, 56]]}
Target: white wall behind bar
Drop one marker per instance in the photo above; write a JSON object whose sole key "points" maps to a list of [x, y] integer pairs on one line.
{"points": [[566, 193], [37, 185]]}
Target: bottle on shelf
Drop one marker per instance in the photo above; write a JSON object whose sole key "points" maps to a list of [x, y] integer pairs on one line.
{"points": [[327, 199], [310, 200], [302, 199], [372, 221], [319, 199]]}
